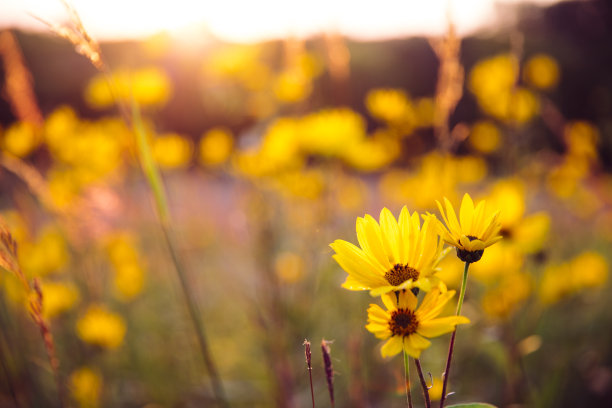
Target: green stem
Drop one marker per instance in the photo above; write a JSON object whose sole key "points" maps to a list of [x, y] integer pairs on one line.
{"points": [[463, 286], [407, 379], [155, 182], [452, 342]]}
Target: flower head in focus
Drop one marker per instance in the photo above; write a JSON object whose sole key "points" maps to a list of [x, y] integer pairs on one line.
{"points": [[475, 230], [394, 255], [406, 326]]}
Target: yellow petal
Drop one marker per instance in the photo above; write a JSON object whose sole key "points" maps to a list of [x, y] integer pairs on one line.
{"points": [[418, 342], [466, 214], [407, 300], [438, 327], [390, 301], [451, 219], [392, 347], [370, 239], [351, 283], [390, 235], [349, 250]]}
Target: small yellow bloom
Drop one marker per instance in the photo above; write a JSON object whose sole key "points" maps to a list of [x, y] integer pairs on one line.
{"points": [[21, 138], [172, 151], [485, 136], [101, 328], [216, 146], [59, 297], [86, 387], [541, 71], [475, 230], [394, 255], [406, 326]]}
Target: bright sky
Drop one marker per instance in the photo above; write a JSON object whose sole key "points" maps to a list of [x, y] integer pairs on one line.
{"points": [[249, 21]]}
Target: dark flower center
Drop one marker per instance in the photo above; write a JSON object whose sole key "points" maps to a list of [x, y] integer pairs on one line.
{"points": [[470, 256], [400, 274], [403, 322]]}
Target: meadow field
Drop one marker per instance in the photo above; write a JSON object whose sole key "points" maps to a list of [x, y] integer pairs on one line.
{"points": [[179, 221]]}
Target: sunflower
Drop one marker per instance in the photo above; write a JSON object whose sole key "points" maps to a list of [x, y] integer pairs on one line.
{"points": [[406, 326], [393, 255], [476, 230]]}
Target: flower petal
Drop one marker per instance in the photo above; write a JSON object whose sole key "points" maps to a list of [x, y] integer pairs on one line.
{"points": [[392, 347], [438, 327]]}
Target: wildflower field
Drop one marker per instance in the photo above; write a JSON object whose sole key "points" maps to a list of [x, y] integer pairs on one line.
{"points": [[308, 222]]}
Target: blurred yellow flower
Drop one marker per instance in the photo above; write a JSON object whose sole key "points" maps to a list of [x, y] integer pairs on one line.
{"points": [[63, 188], [437, 175], [394, 255], [86, 387], [121, 249], [498, 261], [148, 86], [171, 150], [20, 139], [373, 153], [292, 86], [289, 267], [485, 137], [590, 270], [503, 301], [300, 183], [59, 297], [330, 132], [47, 254], [129, 275], [475, 230], [101, 328], [59, 125], [392, 106], [493, 83], [406, 326], [128, 281], [582, 138], [541, 71], [435, 392], [216, 146], [587, 270]]}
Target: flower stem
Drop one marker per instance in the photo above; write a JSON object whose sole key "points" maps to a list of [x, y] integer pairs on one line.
{"points": [[452, 341], [407, 379], [157, 187], [423, 383]]}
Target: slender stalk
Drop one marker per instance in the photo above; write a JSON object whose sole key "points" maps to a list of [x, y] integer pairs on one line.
{"points": [[159, 194], [309, 365], [452, 341], [423, 383], [407, 379]]}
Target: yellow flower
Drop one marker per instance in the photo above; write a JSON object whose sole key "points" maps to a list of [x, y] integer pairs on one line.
{"points": [[475, 230], [216, 146], [86, 387], [541, 71], [394, 255], [172, 151], [406, 326], [101, 327], [59, 297], [21, 138], [485, 136]]}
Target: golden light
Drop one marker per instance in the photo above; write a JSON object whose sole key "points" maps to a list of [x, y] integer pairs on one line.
{"points": [[244, 21]]}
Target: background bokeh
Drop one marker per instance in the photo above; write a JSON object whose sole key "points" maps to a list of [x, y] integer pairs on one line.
{"points": [[268, 152]]}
